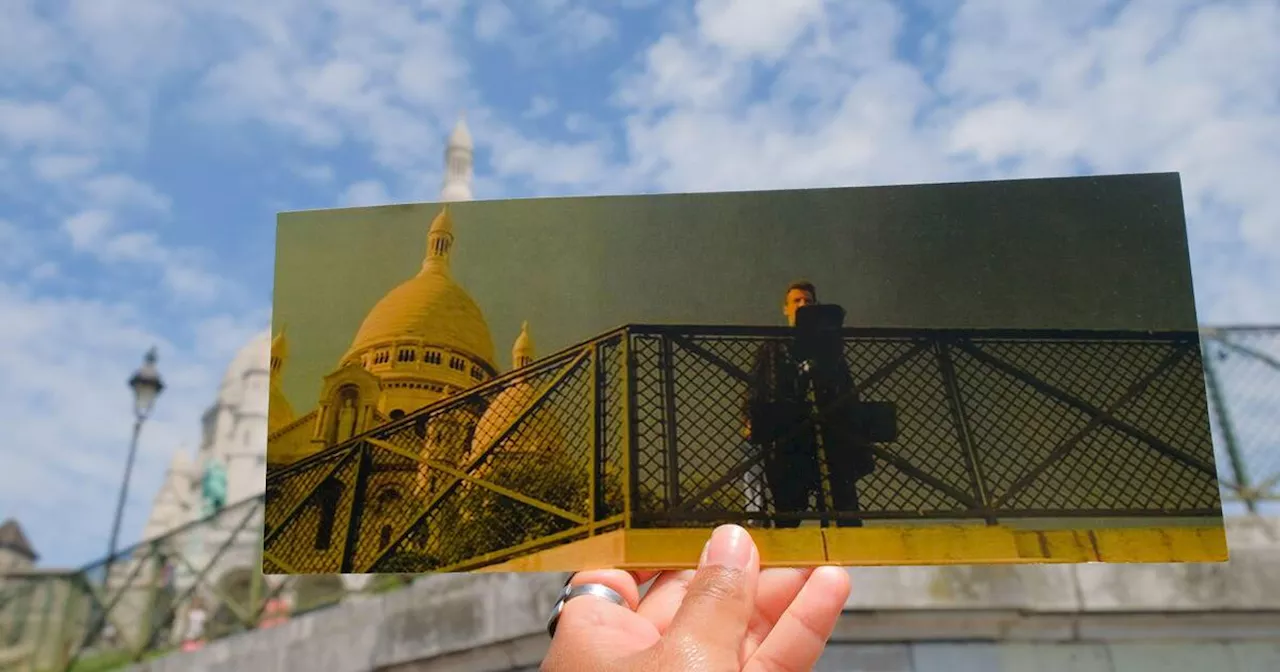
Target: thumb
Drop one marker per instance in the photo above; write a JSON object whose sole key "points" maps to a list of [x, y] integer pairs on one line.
{"points": [[708, 630]]}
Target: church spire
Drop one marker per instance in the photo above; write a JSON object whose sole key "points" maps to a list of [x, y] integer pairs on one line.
{"points": [[279, 412], [458, 164], [279, 352], [522, 351], [439, 243]]}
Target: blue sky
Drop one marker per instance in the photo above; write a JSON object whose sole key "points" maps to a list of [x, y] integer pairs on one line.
{"points": [[146, 145]]}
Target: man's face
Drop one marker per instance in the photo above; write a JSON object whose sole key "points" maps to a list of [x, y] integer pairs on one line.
{"points": [[796, 299]]}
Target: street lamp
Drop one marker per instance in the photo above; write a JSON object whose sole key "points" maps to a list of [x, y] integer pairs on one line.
{"points": [[146, 386]]}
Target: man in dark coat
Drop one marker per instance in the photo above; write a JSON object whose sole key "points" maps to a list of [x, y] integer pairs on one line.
{"points": [[779, 419]]}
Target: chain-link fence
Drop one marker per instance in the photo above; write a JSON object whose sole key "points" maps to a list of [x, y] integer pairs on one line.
{"points": [[531, 459], [989, 425], [1242, 372], [647, 427], [195, 584]]}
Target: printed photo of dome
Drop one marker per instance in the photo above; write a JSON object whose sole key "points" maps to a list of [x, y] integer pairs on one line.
{"points": [[992, 372]]}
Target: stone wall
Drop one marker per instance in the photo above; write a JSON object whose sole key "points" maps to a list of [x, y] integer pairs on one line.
{"points": [[1222, 617]]}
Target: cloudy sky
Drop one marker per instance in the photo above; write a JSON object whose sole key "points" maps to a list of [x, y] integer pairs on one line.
{"points": [[146, 145]]}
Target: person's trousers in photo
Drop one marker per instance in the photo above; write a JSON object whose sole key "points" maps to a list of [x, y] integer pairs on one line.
{"points": [[793, 477]]}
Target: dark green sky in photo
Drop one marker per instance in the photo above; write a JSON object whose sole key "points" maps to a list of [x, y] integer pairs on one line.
{"points": [[1073, 253]]}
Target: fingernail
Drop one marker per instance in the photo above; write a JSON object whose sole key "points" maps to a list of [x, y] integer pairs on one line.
{"points": [[730, 546]]}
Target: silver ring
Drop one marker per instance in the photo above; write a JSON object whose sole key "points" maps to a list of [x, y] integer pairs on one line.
{"points": [[593, 589]]}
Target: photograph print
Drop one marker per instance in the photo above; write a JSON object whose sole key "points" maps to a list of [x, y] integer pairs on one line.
{"points": [[990, 372]]}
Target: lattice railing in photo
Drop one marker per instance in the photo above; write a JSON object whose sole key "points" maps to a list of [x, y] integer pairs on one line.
{"points": [[643, 428]]}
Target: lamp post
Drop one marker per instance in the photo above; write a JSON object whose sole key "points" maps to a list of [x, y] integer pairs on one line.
{"points": [[146, 386]]}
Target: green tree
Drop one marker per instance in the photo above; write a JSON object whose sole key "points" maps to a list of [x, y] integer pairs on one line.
{"points": [[487, 522]]}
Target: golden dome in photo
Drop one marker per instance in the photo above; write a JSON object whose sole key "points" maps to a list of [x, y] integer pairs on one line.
{"points": [[429, 307]]}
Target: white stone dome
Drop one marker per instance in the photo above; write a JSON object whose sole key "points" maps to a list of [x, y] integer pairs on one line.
{"points": [[253, 358]]}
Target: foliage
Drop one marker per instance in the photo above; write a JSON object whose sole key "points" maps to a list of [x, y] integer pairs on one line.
{"points": [[385, 583], [482, 521]]}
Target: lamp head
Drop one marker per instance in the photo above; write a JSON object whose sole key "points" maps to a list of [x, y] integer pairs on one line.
{"points": [[146, 385]]}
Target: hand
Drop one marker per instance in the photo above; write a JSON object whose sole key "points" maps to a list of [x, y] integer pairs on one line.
{"points": [[728, 616]]}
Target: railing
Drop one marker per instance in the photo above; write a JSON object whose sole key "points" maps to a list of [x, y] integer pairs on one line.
{"points": [[70, 620], [84, 620], [1242, 370], [642, 427], [526, 460]]}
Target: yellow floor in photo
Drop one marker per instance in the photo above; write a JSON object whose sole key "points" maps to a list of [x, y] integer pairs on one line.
{"points": [[888, 545]]}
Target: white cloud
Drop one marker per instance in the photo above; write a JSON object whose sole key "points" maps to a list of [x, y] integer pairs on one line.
{"points": [[493, 20], [78, 111], [220, 336], [131, 38], [180, 270], [23, 123], [582, 29], [337, 84], [765, 30], [45, 270], [20, 249], [253, 87], [126, 192], [73, 140], [59, 167], [386, 80], [77, 120], [683, 73], [318, 174], [28, 45], [538, 31], [189, 281], [577, 123], [431, 73], [580, 167], [87, 228], [365, 192], [135, 246], [540, 106]]}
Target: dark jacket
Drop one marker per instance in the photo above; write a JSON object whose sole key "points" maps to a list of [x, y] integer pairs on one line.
{"points": [[779, 413]]}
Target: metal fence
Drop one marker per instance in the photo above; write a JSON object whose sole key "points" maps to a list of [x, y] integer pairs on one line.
{"points": [[518, 462], [643, 427], [198, 583], [1242, 375], [683, 386]]}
